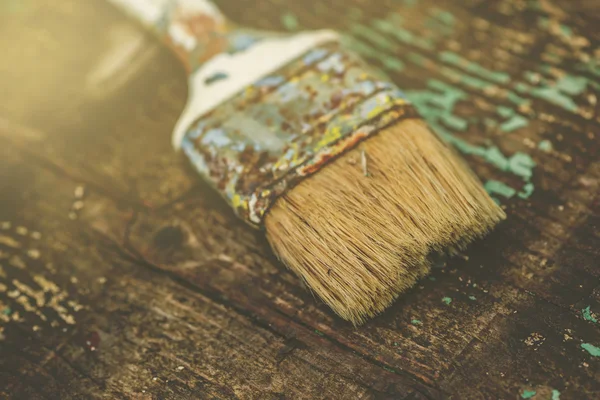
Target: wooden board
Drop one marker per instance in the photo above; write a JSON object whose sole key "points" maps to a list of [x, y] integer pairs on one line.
{"points": [[122, 275]]}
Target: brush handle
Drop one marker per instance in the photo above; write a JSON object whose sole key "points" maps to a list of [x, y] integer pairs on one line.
{"points": [[266, 110], [194, 29]]}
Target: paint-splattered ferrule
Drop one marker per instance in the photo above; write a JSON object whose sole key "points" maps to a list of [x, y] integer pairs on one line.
{"points": [[287, 125]]}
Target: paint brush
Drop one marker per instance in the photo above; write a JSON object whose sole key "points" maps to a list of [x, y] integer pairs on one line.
{"points": [[306, 141]]}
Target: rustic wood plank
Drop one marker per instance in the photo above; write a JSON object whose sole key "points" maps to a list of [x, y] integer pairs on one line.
{"points": [[510, 84], [81, 317]]}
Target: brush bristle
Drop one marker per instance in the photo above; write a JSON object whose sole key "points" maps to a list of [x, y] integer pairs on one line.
{"points": [[364, 229]]}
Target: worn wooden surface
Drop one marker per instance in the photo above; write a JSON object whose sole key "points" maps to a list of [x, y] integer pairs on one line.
{"points": [[124, 276]]}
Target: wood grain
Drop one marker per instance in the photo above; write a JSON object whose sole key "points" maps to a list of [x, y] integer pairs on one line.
{"points": [[124, 276]]}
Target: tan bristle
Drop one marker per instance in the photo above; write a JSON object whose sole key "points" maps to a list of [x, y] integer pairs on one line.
{"points": [[363, 230]]}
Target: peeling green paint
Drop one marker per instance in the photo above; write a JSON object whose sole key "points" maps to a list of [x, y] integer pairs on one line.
{"points": [[527, 394], [318, 332], [472, 298], [521, 164], [505, 112], [447, 300], [518, 100], [437, 105], [494, 187], [559, 93], [514, 123], [527, 191], [553, 95], [416, 322], [456, 60], [587, 315], [454, 122], [590, 348], [572, 85], [555, 395]]}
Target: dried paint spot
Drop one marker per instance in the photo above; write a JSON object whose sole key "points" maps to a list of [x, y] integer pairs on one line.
{"points": [[535, 339], [447, 300], [590, 348], [588, 315], [527, 394]]}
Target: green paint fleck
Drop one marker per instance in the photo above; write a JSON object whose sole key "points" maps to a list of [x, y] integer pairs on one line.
{"points": [[566, 31], [447, 300], [318, 332], [521, 164], [472, 298], [455, 122], [516, 122], [437, 105], [389, 369], [545, 145], [527, 394], [6, 311], [395, 343], [515, 98], [496, 187], [416, 322], [527, 191], [505, 112], [456, 60], [590, 348], [555, 395], [522, 88], [572, 85], [587, 314], [553, 95], [289, 21]]}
